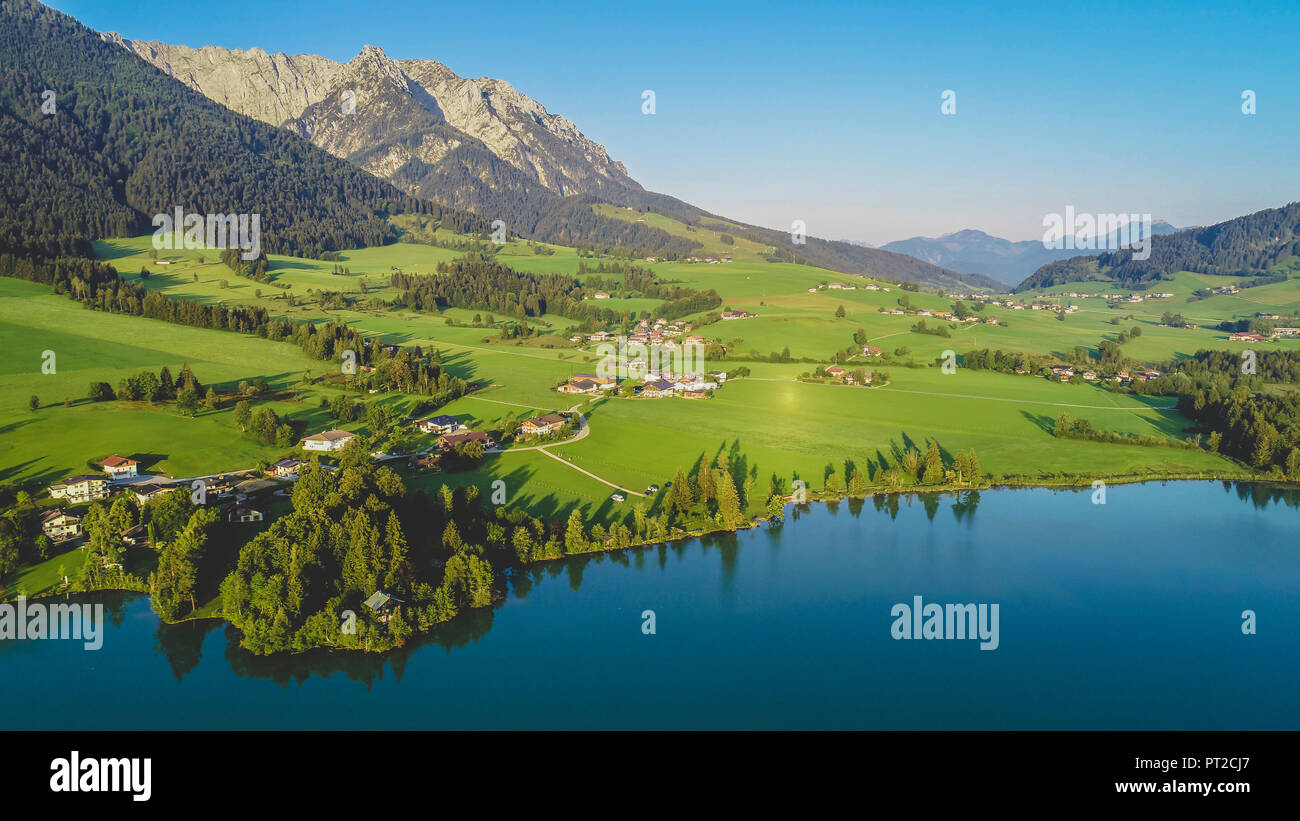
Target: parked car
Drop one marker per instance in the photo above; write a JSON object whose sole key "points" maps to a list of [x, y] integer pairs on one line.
{"points": [[618, 497], [653, 489]]}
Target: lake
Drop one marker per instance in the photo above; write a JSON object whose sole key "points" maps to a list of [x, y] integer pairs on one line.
{"points": [[1126, 615]]}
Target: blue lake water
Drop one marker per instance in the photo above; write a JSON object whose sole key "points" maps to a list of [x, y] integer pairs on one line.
{"points": [[1126, 615]]}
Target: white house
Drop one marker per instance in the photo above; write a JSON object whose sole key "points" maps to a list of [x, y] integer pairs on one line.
{"points": [[119, 468], [329, 440], [58, 524], [440, 424], [78, 489]]}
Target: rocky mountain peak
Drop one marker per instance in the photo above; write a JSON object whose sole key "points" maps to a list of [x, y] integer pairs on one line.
{"points": [[406, 98]]}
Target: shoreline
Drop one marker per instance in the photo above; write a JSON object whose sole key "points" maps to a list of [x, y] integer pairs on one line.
{"points": [[1072, 483]]}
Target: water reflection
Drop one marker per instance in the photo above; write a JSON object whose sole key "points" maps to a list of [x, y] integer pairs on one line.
{"points": [[182, 644]]}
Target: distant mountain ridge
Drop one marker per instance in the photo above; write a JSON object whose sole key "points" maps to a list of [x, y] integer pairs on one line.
{"points": [[477, 145], [972, 251], [1244, 246]]}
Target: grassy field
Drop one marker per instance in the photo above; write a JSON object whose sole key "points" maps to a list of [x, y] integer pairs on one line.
{"points": [[56, 440], [781, 427]]}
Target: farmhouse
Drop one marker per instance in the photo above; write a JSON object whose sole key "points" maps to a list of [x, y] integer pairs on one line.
{"points": [[451, 440], [576, 385], [542, 425], [737, 315], [1289, 333], [872, 351], [285, 468], [440, 424], [118, 468], [587, 383], [135, 536], [219, 485], [245, 514], [59, 524], [81, 488], [329, 440], [1245, 336], [658, 388], [146, 491]]}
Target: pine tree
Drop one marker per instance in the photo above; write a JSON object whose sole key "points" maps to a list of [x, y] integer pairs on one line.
{"points": [[401, 575], [575, 540], [683, 499], [933, 465], [857, 483], [704, 483], [729, 513]]}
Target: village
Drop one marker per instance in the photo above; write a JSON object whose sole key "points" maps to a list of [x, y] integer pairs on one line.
{"points": [[245, 496]]}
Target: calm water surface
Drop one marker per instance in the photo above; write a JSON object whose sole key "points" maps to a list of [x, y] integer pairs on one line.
{"points": [[1126, 615]]}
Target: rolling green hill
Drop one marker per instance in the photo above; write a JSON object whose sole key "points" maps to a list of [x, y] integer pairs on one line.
{"points": [[1263, 244]]}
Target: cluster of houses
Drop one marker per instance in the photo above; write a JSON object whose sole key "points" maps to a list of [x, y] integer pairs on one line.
{"points": [[658, 383], [664, 382], [738, 315], [1116, 297], [847, 377], [1252, 336], [946, 315], [1017, 305], [706, 260], [231, 492], [1064, 373], [845, 286], [661, 331]]}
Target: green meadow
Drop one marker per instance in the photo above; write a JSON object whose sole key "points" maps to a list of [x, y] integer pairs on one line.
{"points": [[56, 440], [779, 426]]}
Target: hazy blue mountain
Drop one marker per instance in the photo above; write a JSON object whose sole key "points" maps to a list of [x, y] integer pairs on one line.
{"points": [[974, 252]]}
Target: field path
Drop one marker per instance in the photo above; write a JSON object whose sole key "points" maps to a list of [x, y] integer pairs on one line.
{"points": [[499, 402], [583, 430], [589, 473]]}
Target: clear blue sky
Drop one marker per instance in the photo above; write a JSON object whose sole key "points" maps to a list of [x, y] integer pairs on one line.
{"points": [[830, 112]]}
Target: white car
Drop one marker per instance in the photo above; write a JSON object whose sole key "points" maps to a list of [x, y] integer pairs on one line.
{"points": [[618, 497]]}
